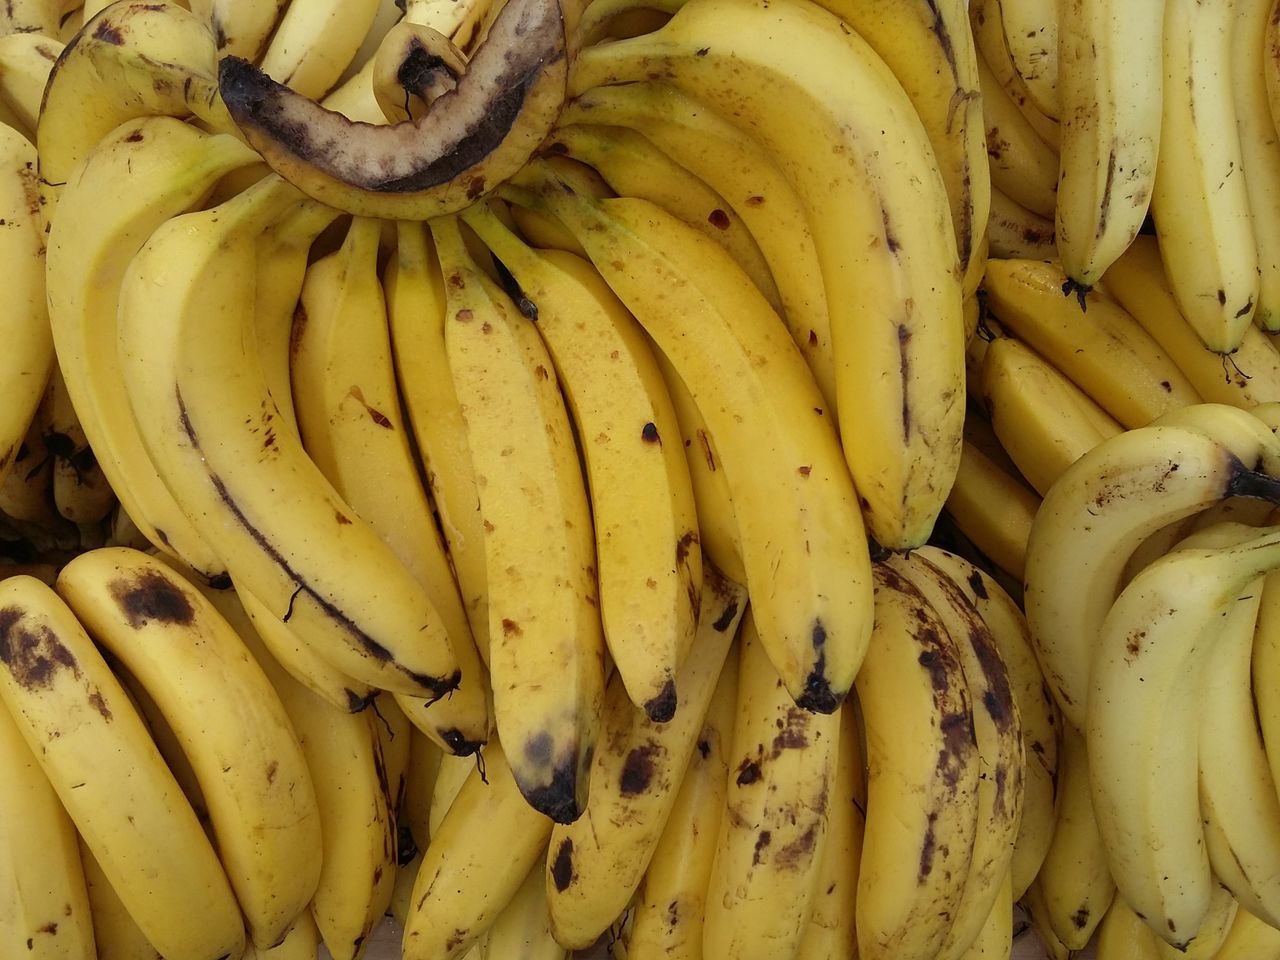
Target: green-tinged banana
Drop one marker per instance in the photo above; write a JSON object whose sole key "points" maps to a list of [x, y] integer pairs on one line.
{"points": [[348, 409], [923, 773], [415, 296], [28, 355], [44, 907], [1074, 882], [648, 559], [667, 914], [240, 27], [995, 938], [484, 848], [1251, 375], [736, 165], [301, 942], [1142, 717], [773, 833], [1199, 192], [595, 864], [805, 553], [1036, 710], [25, 62], [1110, 89], [830, 934], [98, 229], [1217, 924], [116, 934], [1001, 755], [1016, 233], [209, 426], [1023, 167], [1248, 939], [95, 751], [315, 42], [894, 292], [1123, 936], [1095, 517], [252, 774], [1101, 349], [1043, 420], [994, 509], [546, 645], [522, 931]]}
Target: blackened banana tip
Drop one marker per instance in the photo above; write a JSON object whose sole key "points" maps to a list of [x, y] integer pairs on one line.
{"points": [[662, 708]]}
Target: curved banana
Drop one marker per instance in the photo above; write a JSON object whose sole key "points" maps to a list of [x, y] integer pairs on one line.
{"points": [[25, 62], [1101, 349], [1144, 696], [1015, 233], [44, 905], [1034, 906], [314, 43], [97, 231], [648, 559], [28, 357], [302, 942], [348, 409], [1198, 191], [1023, 167], [1113, 130], [738, 167], [987, 21], [420, 784], [522, 931], [546, 645], [115, 933], [1097, 515], [184, 349], [1248, 939], [1031, 35], [1123, 936], [780, 455], [995, 939], [922, 778], [1217, 924], [252, 774], [993, 509], [80, 491], [596, 863], [95, 750], [894, 290], [241, 28], [31, 16], [1249, 376]]}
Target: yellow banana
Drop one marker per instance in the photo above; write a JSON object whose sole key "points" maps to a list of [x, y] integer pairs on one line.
{"points": [[315, 42], [994, 509], [116, 934], [25, 62], [1123, 936], [1015, 233], [1023, 167], [1248, 939]]}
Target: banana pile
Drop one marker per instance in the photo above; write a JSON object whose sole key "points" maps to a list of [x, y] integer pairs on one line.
{"points": [[750, 479]]}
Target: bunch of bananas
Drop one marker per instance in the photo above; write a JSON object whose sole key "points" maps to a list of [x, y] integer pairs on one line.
{"points": [[676, 478]]}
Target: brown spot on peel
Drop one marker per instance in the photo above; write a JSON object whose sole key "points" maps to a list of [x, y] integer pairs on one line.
{"points": [[151, 597]]}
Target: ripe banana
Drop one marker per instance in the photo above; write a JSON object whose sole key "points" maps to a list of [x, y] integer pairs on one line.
{"points": [[894, 293], [1101, 349], [922, 778], [241, 28], [1015, 233], [813, 609], [80, 491], [31, 16], [302, 942], [1198, 190], [1023, 167], [994, 509], [986, 20], [1031, 35], [1033, 904], [315, 42], [995, 940], [1222, 913], [420, 783], [1248, 939], [95, 751], [595, 864], [1123, 936], [522, 931], [348, 409], [25, 62], [115, 933], [648, 559], [184, 349]]}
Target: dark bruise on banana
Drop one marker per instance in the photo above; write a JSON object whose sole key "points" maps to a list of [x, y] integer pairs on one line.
{"points": [[35, 656], [471, 138]]}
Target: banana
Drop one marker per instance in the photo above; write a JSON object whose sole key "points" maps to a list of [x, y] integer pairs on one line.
{"points": [[1031, 35], [1249, 376], [26, 491], [1113, 130], [604, 19], [1023, 167], [922, 778], [633, 166], [735, 165], [115, 933], [1248, 939], [1074, 882], [451, 773], [1123, 936], [44, 906], [95, 751], [987, 23], [301, 942], [25, 62], [31, 16], [830, 933], [813, 611], [97, 230], [1265, 658], [648, 560], [1197, 191], [895, 295], [994, 509], [1015, 233], [28, 356], [241, 28], [523, 930], [546, 647], [455, 19], [420, 782], [1271, 64], [773, 833], [474, 866], [1097, 515], [1145, 694], [595, 864], [1043, 420], [218, 450], [998, 731], [80, 491], [348, 407], [1101, 349], [416, 309], [252, 775], [1035, 708], [1222, 913], [1034, 905], [995, 939], [315, 42]]}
